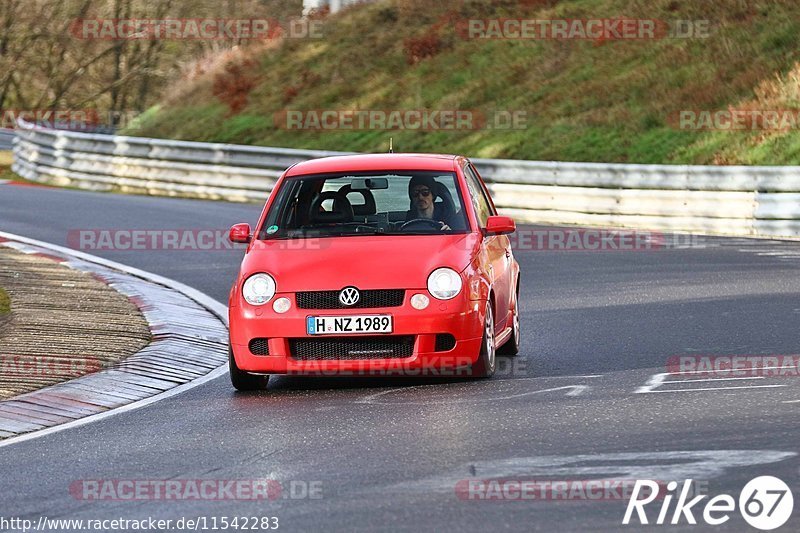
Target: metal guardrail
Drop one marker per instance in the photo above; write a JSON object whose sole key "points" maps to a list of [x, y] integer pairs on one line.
{"points": [[152, 166], [729, 200], [6, 138]]}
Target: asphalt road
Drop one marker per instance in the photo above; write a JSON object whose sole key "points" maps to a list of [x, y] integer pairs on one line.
{"points": [[580, 402]]}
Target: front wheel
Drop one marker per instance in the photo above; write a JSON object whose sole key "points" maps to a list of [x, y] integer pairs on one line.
{"points": [[244, 381], [487, 360]]}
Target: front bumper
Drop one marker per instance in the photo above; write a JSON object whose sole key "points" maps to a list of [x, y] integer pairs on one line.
{"points": [[460, 317]]}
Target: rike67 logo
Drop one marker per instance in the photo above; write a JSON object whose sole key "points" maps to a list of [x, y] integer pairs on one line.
{"points": [[765, 503]]}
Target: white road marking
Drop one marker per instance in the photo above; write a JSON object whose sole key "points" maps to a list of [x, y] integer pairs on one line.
{"points": [[566, 377], [714, 388], [787, 254], [779, 250], [657, 380], [577, 390], [672, 465], [540, 378], [732, 370], [711, 379], [374, 399], [791, 401]]}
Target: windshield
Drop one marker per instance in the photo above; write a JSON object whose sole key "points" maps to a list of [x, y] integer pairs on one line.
{"points": [[394, 203]]}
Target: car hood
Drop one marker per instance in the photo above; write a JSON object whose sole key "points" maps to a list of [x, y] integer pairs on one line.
{"points": [[366, 262]]}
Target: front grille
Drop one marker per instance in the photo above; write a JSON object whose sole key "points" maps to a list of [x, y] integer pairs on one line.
{"points": [[445, 342], [343, 348], [259, 347], [368, 299]]}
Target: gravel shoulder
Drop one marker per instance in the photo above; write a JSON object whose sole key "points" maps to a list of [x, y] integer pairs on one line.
{"points": [[62, 323]]}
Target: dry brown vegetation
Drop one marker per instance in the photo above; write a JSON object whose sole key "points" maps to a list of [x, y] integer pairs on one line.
{"points": [[44, 65]]}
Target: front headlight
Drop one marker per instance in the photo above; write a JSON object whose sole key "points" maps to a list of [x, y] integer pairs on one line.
{"points": [[258, 289], [444, 283]]}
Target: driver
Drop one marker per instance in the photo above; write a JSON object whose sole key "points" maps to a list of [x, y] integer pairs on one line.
{"points": [[422, 192]]}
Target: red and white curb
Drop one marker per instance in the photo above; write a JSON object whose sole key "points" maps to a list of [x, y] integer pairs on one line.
{"points": [[25, 184], [189, 348]]}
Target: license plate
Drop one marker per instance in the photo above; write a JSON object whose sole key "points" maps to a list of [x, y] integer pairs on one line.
{"points": [[329, 325]]}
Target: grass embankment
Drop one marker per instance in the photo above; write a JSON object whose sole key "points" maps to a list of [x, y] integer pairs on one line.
{"points": [[6, 160], [5, 309], [587, 100], [5, 303]]}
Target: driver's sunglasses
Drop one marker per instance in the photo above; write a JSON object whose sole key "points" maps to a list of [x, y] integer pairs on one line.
{"points": [[421, 192]]}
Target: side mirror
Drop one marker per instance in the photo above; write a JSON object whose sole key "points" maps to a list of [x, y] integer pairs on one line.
{"points": [[240, 233], [498, 225]]}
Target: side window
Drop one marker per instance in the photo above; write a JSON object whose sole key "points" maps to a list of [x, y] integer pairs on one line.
{"points": [[483, 208]]}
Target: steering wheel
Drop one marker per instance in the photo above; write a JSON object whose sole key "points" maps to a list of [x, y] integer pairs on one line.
{"points": [[435, 224]]}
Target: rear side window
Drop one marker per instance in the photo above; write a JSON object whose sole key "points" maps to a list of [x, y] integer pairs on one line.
{"points": [[477, 194]]}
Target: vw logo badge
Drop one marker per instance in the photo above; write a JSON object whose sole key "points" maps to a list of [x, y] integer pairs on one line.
{"points": [[349, 296]]}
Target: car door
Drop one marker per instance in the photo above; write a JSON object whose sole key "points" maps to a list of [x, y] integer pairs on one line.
{"points": [[496, 247]]}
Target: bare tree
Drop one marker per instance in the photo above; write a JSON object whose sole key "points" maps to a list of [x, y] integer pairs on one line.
{"points": [[46, 64]]}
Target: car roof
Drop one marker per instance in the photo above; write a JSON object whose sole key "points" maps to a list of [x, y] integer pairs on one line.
{"points": [[378, 162]]}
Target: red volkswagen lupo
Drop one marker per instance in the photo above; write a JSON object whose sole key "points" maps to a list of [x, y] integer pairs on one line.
{"points": [[384, 264]]}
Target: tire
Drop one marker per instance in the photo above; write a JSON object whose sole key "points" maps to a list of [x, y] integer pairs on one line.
{"points": [[486, 364], [244, 381], [511, 347]]}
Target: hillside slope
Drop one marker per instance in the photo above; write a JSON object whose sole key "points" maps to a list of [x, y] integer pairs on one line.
{"points": [[583, 100]]}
